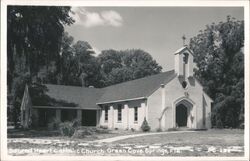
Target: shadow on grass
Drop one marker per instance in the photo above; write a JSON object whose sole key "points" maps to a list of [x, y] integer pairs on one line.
{"points": [[31, 133], [81, 132]]}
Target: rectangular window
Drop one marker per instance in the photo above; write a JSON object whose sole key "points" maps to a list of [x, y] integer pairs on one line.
{"points": [[136, 114], [119, 113], [106, 113]]}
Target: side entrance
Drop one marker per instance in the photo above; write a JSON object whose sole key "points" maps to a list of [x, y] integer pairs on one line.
{"points": [[89, 117]]}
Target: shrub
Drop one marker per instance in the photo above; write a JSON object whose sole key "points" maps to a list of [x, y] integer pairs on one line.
{"points": [[145, 127], [54, 124], [242, 126], [79, 134], [76, 123], [69, 128], [219, 124], [159, 130], [102, 130], [84, 131], [87, 130]]}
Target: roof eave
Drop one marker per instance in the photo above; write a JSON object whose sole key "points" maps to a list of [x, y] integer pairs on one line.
{"points": [[64, 107], [122, 100], [183, 48]]}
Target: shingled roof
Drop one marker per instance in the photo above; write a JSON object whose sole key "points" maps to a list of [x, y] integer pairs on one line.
{"points": [[139, 88], [88, 98], [82, 97]]}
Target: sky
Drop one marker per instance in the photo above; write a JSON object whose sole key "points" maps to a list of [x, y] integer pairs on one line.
{"points": [[156, 30]]}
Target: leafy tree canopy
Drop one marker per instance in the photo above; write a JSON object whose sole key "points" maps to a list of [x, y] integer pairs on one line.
{"points": [[220, 60], [120, 66], [34, 35]]}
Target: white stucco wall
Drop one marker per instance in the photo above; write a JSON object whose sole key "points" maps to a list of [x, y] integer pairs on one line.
{"points": [[154, 105], [174, 93], [190, 71], [208, 102], [178, 58], [127, 121]]}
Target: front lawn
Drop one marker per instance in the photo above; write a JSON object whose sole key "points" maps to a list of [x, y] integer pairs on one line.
{"points": [[214, 142], [222, 137], [83, 133]]}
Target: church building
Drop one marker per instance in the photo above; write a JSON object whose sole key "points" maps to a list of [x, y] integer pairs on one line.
{"points": [[167, 100]]}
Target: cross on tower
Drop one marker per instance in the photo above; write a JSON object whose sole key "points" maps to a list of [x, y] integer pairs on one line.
{"points": [[184, 38]]}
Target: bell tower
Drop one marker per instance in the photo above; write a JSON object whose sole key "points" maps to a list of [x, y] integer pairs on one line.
{"points": [[184, 61]]}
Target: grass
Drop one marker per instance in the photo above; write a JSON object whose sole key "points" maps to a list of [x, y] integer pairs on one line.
{"points": [[209, 137], [90, 134], [222, 137], [219, 138], [32, 133]]}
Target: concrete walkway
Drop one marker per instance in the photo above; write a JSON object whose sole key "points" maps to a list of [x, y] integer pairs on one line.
{"points": [[117, 138]]}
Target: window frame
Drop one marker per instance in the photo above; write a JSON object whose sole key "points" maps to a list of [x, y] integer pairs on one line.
{"points": [[106, 113], [136, 114], [119, 113]]}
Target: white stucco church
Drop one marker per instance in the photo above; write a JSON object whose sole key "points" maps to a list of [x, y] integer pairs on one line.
{"points": [[167, 100]]}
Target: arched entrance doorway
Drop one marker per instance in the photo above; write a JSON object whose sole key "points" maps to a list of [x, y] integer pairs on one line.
{"points": [[183, 113]]}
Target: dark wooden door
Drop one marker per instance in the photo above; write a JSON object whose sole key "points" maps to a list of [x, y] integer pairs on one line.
{"points": [[181, 115]]}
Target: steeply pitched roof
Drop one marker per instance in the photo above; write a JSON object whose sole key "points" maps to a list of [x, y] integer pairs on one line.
{"points": [[88, 98], [138, 88], [182, 49]]}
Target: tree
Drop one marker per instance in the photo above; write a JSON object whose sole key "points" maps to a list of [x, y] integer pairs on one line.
{"points": [[220, 61], [18, 91], [34, 36], [67, 64], [121, 66], [88, 67], [75, 65], [141, 63], [108, 60], [33, 43]]}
